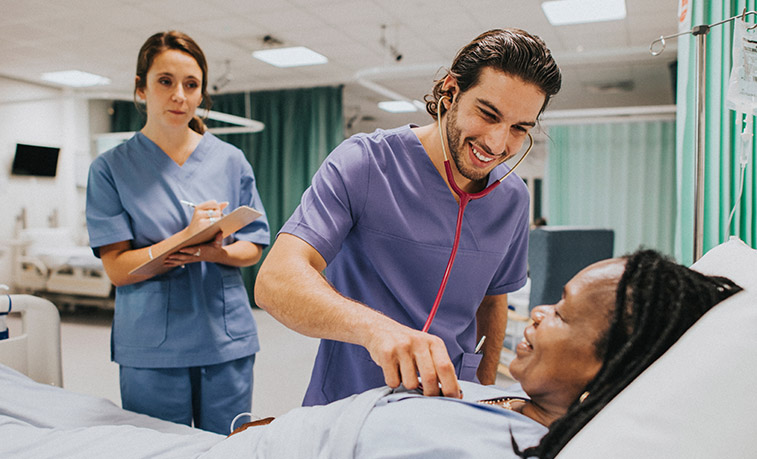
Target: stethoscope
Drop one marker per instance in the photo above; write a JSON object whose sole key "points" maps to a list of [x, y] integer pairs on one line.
{"points": [[465, 198]]}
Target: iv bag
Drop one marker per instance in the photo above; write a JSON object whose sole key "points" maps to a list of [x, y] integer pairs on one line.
{"points": [[742, 86]]}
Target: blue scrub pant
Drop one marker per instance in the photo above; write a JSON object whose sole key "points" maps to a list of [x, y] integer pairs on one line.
{"points": [[211, 396]]}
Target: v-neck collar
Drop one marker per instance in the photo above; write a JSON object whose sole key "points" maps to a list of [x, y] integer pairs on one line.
{"points": [[438, 182], [164, 162]]}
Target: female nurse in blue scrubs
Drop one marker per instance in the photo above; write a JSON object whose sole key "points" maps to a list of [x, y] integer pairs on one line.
{"points": [[185, 340]]}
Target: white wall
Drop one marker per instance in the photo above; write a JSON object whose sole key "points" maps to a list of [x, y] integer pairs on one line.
{"points": [[40, 115]]}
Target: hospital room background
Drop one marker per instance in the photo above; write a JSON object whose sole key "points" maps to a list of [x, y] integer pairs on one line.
{"points": [[616, 149]]}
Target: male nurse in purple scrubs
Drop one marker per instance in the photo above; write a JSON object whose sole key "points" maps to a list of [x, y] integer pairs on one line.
{"points": [[379, 221]]}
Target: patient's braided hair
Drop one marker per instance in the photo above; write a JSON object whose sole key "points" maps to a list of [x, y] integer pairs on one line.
{"points": [[657, 300]]}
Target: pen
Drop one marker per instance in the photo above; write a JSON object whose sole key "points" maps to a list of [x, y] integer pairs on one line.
{"points": [[190, 204], [480, 344]]}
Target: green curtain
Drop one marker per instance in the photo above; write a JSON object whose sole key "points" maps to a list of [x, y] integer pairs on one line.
{"points": [[618, 175], [721, 163], [302, 126]]}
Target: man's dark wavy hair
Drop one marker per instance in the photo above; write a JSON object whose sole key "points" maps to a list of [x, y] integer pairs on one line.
{"points": [[512, 51], [657, 300]]}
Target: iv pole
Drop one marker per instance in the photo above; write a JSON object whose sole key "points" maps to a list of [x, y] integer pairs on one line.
{"points": [[700, 32]]}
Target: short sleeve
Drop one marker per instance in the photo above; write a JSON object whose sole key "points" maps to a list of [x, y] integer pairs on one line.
{"points": [[513, 271], [332, 204], [107, 220], [258, 231]]}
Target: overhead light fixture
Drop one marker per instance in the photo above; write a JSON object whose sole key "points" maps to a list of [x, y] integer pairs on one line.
{"points": [[75, 78], [564, 12], [290, 57], [397, 106]]}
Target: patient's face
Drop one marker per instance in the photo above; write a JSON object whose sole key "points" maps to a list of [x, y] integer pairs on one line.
{"points": [[558, 357]]}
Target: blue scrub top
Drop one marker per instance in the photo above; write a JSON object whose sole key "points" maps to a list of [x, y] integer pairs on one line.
{"points": [[191, 316], [384, 219]]}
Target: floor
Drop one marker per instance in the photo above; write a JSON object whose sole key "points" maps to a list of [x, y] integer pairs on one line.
{"points": [[282, 368]]}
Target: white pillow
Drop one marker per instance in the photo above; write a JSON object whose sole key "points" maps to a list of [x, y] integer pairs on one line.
{"points": [[699, 400]]}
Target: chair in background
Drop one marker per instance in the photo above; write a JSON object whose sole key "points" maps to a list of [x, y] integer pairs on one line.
{"points": [[557, 253]]}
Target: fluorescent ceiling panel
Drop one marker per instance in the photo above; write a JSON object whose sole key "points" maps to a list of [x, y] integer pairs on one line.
{"points": [[290, 57], [564, 12], [75, 78], [397, 106]]}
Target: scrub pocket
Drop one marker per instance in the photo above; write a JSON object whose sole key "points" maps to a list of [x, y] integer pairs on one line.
{"points": [[469, 366], [141, 314], [237, 314]]}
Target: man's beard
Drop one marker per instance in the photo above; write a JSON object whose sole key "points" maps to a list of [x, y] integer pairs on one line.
{"points": [[453, 141]]}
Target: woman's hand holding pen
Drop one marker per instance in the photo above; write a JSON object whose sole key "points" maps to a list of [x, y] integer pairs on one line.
{"points": [[204, 215]]}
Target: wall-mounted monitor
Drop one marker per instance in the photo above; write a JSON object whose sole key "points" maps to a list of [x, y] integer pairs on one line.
{"points": [[35, 160]]}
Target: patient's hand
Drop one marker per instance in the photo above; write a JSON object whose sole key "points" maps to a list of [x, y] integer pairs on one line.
{"points": [[246, 425], [405, 354]]}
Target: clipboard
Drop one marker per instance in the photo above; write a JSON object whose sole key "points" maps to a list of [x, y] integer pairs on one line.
{"points": [[229, 224]]}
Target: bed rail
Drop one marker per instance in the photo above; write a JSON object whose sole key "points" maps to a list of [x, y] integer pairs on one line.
{"points": [[36, 351]]}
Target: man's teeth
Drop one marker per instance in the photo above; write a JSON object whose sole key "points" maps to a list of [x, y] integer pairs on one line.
{"points": [[527, 343], [480, 156]]}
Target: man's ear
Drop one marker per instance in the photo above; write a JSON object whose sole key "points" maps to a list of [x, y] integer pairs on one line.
{"points": [[450, 88]]}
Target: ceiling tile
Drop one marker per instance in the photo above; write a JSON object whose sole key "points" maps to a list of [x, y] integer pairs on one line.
{"points": [[44, 35]]}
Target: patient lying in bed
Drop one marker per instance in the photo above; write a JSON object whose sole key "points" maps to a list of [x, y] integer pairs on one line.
{"points": [[615, 319]]}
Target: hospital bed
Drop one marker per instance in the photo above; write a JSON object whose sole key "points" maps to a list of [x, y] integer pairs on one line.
{"points": [[696, 401], [51, 264], [35, 351]]}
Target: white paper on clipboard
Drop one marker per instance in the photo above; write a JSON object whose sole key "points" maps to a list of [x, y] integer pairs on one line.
{"points": [[229, 224]]}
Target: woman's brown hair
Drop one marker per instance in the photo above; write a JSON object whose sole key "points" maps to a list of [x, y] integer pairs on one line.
{"points": [[179, 41]]}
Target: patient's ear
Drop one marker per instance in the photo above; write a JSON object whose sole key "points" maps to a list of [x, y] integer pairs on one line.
{"points": [[259, 422]]}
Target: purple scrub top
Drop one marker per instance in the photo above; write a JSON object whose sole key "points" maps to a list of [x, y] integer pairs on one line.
{"points": [[384, 219]]}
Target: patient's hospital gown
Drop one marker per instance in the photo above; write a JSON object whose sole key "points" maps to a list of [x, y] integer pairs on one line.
{"points": [[382, 424]]}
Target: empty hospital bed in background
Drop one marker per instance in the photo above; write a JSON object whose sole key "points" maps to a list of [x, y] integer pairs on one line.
{"points": [[48, 262]]}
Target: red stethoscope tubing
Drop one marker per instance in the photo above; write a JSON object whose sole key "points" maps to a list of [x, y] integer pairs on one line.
{"points": [[465, 198]]}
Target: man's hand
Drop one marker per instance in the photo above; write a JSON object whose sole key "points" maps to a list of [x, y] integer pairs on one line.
{"points": [[404, 354]]}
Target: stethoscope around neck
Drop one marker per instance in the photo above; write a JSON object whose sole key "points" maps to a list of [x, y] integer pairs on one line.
{"points": [[465, 198]]}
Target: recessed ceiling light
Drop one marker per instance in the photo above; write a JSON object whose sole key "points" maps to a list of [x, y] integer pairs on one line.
{"points": [[290, 57], [397, 106], [75, 78], [563, 12]]}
